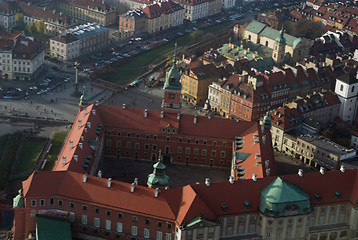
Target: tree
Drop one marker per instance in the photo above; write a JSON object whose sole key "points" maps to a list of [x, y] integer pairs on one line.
{"points": [[40, 26], [31, 28], [196, 35], [20, 21]]}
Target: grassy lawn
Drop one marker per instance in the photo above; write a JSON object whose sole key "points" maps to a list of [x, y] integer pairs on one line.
{"points": [[138, 65], [11, 145], [57, 143], [29, 156]]}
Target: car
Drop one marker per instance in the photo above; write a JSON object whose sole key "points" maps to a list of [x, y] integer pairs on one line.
{"points": [[40, 92], [67, 79], [19, 89], [195, 28], [180, 33], [33, 88], [8, 97]]}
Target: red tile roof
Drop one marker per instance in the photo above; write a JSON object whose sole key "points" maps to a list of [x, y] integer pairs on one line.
{"points": [[157, 9]]}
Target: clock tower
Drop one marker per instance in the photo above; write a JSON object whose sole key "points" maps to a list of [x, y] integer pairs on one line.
{"points": [[172, 88]]}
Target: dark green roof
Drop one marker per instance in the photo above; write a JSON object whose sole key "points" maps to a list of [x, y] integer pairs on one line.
{"points": [[263, 30], [281, 198], [241, 156], [172, 78], [53, 228]]}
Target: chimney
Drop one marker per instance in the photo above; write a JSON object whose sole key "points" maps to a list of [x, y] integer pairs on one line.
{"points": [[321, 170], [231, 180], [80, 145], [195, 119], [209, 116], [84, 111], [264, 139], [96, 103], [300, 172], [94, 111], [71, 144], [132, 187], [342, 169], [79, 123], [75, 157], [156, 192], [82, 138], [136, 181], [85, 130], [145, 113], [237, 120], [109, 182], [268, 172], [89, 124], [124, 106], [254, 177], [63, 161], [207, 182], [161, 114], [178, 116], [85, 177], [99, 174]]}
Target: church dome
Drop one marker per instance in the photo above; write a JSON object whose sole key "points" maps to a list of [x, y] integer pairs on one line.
{"points": [[281, 199]]}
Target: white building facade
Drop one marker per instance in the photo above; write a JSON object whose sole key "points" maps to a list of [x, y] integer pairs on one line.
{"points": [[347, 90], [228, 4]]}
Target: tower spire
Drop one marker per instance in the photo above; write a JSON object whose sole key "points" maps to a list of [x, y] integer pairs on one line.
{"points": [[158, 179]]}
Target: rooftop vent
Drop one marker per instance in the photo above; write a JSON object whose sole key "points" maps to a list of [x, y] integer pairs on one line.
{"points": [[156, 192], [247, 205], [318, 197], [145, 113], [254, 177], [85, 177], [132, 187], [109, 182], [300, 172], [207, 182], [224, 207], [124, 106]]}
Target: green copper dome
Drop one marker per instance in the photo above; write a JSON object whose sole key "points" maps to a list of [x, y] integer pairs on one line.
{"points": [[281, 198], [281, 39], [158, 179], [172, 78], [267, 120]]}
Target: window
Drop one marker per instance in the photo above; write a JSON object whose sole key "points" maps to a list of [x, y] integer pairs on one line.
{"points": [[96, 210], [196, 151], [211, 230], [159, 235], [119, 227], [200, 231], [108, 213], [146, 146], [154, 147], [241, 229], [33, 203], [222, 154], [120, 215], [42, 202], [147, 221], [252, 228], [128, 145], [135, 219], [353, 89], [84, 219], [229, 231], [203, 152], [134, 230], [146, 233], [108, 224], [180, 149], [51, 201], [96, 222], [213, 153], [60, 202], [160, 224], [72, 216], [187, 150], [84, 207], [268, 233], [341, 88], [168, 236], [169, 225], [72, 205]]}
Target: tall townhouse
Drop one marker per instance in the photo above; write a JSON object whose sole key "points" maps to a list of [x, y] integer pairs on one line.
{"points": [[194, 9], [8, 11], [65, 47], [162, 15], [88, 11], [131, 23], [21, 58], [55, 22]]}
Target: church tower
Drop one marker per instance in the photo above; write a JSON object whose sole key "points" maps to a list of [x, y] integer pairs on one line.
{"points": [[278, 53], [83, 101], [158, 179], [172, 88]]}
